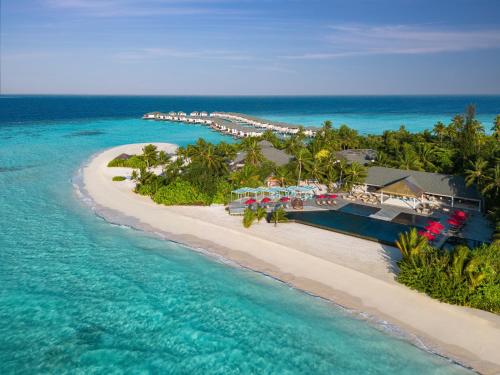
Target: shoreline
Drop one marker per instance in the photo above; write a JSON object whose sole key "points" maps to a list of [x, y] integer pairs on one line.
{"points": [[306, 261]]}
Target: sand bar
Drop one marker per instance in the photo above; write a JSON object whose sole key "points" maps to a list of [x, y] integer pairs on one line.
{"points": [[353, 272]]}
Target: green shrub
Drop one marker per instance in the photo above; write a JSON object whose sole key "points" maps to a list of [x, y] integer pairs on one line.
{"points": [[223, 193], [249, 217], [119, 178], [180, 193], [468, 277], [134, 161]]}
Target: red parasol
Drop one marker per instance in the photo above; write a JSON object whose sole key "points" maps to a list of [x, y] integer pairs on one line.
{"points": [[427, 235], [434, 230], [453, 222], [250, 201], [284, 199], [332, 196], [266, 200], [435, 224]]}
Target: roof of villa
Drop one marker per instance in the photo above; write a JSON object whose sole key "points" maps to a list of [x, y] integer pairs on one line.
{"points": [[362, 156], [123, 156], [431, 183], [278, 157], [406, 186]]}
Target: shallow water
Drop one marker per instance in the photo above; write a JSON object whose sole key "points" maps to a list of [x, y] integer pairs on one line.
{"points": [[80, 294]]}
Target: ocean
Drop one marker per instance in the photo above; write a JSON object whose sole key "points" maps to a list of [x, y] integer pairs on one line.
{"points": [[78, 294]]}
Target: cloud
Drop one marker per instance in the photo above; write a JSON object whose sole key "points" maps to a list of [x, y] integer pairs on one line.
{"points": [[159, 53], [137, 8], [345, 41]]}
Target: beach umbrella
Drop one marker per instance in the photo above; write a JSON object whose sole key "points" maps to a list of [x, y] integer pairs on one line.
{"points": [[332, 196], [427, 235], [250, 201], [265, 200], [284, 199], [434, 230], [321, 196], [460, 214], [435, 224], [453, 222]]}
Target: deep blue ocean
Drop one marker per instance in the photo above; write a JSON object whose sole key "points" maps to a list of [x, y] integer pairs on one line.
{"points": [[79, 295]]}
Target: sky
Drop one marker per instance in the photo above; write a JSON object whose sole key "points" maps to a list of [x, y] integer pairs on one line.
{"points": [[250, 47]]}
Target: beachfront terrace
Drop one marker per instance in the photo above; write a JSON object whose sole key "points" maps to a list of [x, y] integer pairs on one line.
{"points": [[418, 190], [362, 215]]}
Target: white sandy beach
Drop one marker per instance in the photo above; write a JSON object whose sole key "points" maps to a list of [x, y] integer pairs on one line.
{"points": [[355, 273]]}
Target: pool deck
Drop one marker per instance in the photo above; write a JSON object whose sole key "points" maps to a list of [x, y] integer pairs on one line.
{"points": [[477, 227]]}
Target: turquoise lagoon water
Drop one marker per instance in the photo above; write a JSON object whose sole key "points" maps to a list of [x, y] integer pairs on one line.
{"points": [[78, 294]]}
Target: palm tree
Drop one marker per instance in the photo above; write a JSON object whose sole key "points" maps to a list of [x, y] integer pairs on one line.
{"points": [[355, 174], [247, 176], [134, 176], [331, 177], [411, 244], [253, 151], [163, 158], [458, 263], [340, 167], [426, 154], [282, 173], [210, 158], [440, 131], [295, 142], [315, 170], [150, 155], [408, 159], [302, 157], [248, 217], [496, 128], [475, 174], [492, 180], [279, 216], [261, 213], [475, 272]]}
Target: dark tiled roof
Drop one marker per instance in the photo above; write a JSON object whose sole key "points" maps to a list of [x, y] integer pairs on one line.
{"points": [[406, 186], [278, 157], [361, 156], [432, 183]]}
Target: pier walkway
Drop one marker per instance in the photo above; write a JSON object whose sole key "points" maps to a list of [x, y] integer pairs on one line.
{"points": [[235, 124]]}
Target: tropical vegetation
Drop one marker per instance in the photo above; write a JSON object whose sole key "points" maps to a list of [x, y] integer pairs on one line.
{"points": [[464, 276], [203, 173]]}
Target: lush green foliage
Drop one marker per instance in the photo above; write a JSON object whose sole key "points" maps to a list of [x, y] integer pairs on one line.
{"points": [[469, 277], [279, 216], [249, 217], [135, 161], [198, 176], [180, 193], [119, 178]]}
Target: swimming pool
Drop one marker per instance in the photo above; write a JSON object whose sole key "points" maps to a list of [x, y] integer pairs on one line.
{"points": [[386, 232], [359, 209], [413, 220]]}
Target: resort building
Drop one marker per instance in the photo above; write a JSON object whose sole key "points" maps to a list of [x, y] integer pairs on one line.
{"points": [[272, 154], [361, 156], [414, 188]]}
